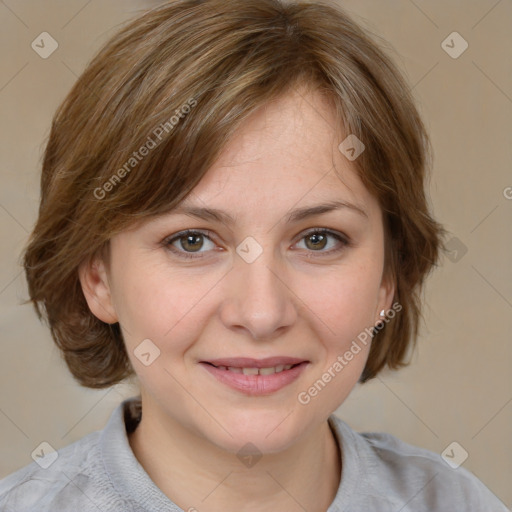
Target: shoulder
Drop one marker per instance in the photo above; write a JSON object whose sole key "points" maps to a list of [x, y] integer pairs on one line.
{"points": [[412, 477], [72, 478]]}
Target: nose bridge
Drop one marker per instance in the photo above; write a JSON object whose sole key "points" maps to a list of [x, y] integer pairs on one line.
{"points": [[259, 300], [260, 279]]}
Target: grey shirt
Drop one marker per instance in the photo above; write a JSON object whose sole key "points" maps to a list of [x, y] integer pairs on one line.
{"points": [[100, 473]]}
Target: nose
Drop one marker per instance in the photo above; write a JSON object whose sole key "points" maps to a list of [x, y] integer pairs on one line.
{"points": [[258, 298]]}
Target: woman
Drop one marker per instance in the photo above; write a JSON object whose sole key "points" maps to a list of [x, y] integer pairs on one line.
{"points": [[233, 211]]}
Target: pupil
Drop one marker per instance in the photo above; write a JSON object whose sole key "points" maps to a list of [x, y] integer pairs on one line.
{"points": [[190, 238], [317, 238]]}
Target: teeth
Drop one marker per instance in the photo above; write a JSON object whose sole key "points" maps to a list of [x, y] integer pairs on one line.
{"points": [[250, 371], [257, 371]]}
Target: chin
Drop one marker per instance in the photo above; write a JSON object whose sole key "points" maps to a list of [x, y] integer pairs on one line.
{"points": [[270, 432]]}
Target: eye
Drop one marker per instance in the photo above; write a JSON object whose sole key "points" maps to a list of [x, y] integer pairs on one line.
{"points": [[188, 242], [316, 240]]}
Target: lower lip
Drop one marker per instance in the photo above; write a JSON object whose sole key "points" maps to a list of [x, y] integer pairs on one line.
{"points": [[256, 385]]}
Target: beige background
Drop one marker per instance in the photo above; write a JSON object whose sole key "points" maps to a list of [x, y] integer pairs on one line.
{"points": [[459, 386]]}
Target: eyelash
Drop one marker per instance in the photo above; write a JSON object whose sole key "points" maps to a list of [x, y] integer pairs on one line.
{"points": [[345, 242]]}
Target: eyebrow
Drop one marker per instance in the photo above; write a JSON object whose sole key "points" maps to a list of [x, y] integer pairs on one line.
{"points": [[296, 215]]}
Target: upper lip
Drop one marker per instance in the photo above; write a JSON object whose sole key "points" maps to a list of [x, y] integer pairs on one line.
{"points": [[248, 362]]}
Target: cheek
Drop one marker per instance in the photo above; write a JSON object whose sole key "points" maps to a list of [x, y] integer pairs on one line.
{"points": [[343, 301], [343, 309], [161, 305]]}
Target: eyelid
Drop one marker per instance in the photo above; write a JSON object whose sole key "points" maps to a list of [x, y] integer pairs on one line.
{"points": [[336, 234]]}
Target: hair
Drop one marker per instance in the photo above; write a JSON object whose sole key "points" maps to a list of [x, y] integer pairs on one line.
{"points": [[178, 81]]}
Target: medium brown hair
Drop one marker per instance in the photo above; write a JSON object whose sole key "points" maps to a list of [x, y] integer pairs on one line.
{"points": [[222, 59]]}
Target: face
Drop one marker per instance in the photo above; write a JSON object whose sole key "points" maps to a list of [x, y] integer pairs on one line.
{"points": [[258, 285]]}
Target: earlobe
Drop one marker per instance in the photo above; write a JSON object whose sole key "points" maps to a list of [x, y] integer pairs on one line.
{"points": [[386, 294], [96, 289]]}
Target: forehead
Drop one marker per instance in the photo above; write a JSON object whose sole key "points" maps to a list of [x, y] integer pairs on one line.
{"points": [[284, 153]]}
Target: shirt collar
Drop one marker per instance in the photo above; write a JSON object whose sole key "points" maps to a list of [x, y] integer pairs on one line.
{"points": [[132, 482], [128, 477]]}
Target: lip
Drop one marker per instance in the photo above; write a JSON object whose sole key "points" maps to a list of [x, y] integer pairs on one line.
{"points": [[248, 362], [256, 385]]}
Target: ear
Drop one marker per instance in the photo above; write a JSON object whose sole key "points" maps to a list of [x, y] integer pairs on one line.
{"points": [[96, 287], [386, 294]]}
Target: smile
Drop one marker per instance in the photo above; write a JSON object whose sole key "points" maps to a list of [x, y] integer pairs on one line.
{"points": [[255, 377], [257, 371]]}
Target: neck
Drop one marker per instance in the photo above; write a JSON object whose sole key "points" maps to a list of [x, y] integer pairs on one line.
{"points": [[197, 475]]}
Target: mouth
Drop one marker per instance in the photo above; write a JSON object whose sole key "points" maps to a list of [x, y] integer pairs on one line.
{"points": [[269, 370], [256, 376]]}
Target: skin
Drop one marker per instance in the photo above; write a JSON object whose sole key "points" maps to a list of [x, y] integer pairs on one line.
{"points": [[298, 298]]}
